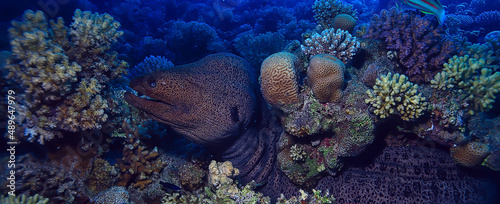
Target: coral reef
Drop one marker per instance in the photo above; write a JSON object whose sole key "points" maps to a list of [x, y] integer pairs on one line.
{"points": [[222, 188], [278, 79], [255, 48], [114, 195], [418, 45], [477, 85], [138, 165], [326, 77], [470, 154], [409, 174], [338, 43], [63, 72], [23, 199], [344, 22], [326, 10], [191, 176], [325, 133], [148, 65], [394, 94], [101, 177], [181, 35], [305, 197]]}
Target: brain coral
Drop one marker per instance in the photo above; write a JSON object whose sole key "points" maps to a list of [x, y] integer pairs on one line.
{"points": [[338, 43], [326, 77], [278, 79], [394, 93], [470, 154], [344, 22]]}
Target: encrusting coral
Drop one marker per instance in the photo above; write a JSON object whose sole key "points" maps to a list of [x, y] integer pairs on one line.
{"points": [[63, 71], [338, 43], [326, 77], [394, 94], [469, 77], [470, 154], [279, 80]]}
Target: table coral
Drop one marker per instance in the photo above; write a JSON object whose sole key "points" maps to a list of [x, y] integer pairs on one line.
{"points": [[419, 44], [394, 94], [469, 77], [279, 80], [326, 77], [338, 43], [63, 71], [326, 10]]}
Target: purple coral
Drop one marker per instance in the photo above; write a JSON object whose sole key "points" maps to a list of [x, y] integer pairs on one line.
{"points": [[419, 45]]}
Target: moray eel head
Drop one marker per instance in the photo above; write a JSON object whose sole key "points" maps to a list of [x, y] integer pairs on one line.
{"points": [[210, 101]]}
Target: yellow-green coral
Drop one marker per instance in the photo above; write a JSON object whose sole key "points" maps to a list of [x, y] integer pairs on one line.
{"points": [[394, 94], [63, 71], [468, 76], [23, 199]]}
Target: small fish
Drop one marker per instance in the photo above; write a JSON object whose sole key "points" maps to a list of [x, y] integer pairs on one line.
{"points": [[428, 7], [170, 186]]}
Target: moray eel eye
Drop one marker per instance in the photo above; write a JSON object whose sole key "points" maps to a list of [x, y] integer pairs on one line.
{"points": [[152, 82]]}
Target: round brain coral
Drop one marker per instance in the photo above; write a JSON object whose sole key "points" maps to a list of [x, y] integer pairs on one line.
{"points": [[278, 79], [326, 77], [344, 22], [470, 154]]}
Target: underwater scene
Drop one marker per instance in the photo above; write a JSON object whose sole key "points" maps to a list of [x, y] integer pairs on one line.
{"points": [[250, 101]]}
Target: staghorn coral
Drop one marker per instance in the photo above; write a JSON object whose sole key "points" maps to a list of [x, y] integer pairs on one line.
{"points": [[338, 43], [278, 79], [326, 10], [326, 77], [23, 199], [63, 71], [470, 154], [476, 84], [344, 22], [394, 94], [417, 43]]}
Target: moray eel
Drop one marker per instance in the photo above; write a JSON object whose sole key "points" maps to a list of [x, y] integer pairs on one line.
{"points": [[209, 101], [216, 102]]}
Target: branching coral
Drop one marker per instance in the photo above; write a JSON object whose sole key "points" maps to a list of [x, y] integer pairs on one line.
{"points": [[326, 10], [338, 43], [394, 94], [418, 44], [63, 71], [138, 165], [476, 84]]}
